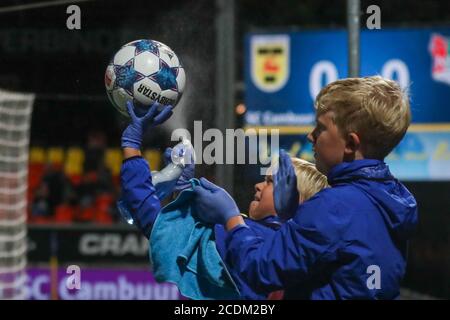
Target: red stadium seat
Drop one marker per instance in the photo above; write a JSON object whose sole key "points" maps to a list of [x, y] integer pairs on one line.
{"points": [[103, 204], [40, 220], [36, 167], [64, 214], [35, 173], [86, 214]]}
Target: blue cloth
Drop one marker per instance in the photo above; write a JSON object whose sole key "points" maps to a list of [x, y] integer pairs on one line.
{"points": [[183, 251], [327, 249]]}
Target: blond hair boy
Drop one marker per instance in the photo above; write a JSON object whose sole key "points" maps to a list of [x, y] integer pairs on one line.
{"points": [[348, 241]]}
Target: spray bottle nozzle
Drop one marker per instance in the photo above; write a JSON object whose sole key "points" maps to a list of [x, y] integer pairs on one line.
{"points": [[183, 153], [166, 179]]}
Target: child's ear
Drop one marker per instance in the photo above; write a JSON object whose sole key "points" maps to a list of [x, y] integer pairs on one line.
{"points": [[352, 143]]}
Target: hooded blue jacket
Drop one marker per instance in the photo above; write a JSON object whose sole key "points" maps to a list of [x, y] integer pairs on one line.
{"points": [[261, 228], [346, 242]]}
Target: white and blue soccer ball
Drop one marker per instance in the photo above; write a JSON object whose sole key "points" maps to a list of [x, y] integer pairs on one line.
{"points": [[144, 71]]}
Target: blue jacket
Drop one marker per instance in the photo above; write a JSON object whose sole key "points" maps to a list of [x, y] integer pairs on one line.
{"points": [[262, 228], [139, 194], [339, 243]]}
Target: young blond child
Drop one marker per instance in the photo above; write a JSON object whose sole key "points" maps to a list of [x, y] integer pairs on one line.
{"points": [[309, 182], [262, 208]]}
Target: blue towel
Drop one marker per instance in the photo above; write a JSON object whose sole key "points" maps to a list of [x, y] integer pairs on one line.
{"points": [[183, 251]]}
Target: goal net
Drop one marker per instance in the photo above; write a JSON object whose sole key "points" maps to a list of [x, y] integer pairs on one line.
{"points": [[15, 116]]}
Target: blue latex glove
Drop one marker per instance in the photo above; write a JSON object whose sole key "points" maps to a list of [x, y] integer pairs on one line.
{"points": [[213, 204], [187, 174], [285, 192], [132, 135]]}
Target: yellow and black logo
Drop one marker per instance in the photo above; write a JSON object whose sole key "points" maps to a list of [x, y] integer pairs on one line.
{"points": [[270, 61]]}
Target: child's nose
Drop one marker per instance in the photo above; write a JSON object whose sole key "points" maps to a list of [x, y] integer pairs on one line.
{"points": [[310, 137]]}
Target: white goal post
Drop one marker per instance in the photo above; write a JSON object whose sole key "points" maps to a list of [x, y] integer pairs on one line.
{"points": [[15, 121]]}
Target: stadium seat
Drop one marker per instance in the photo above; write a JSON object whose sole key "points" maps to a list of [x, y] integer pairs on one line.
{"points": [[73, 166], [55, 157], [113, 160], [36, 166], [37, 155], [35, 173], [40, 219], [64, 213], [103, 203], [153, 156], [86, 214]]}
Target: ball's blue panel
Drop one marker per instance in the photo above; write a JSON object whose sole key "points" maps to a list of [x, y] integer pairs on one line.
{"points": [[126, 76], [166, 77], [146, 45]]}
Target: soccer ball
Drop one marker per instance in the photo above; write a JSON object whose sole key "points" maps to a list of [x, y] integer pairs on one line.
{"points": [[144, 71]]}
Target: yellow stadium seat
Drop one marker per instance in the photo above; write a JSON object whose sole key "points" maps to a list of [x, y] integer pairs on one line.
{"points": [[55, 155], [113, 160], [37, 155], [153, 156], [74, 161]]}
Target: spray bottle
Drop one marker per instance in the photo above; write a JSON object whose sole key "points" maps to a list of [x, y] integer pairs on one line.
{"points": [[166, 179]]}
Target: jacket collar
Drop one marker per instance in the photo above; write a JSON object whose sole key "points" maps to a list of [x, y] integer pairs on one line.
{"points": [[370, 169]]}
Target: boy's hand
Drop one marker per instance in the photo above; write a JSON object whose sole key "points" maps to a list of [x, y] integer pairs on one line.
{"points": [[285, 192], [132, 135], [213, 204]]}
